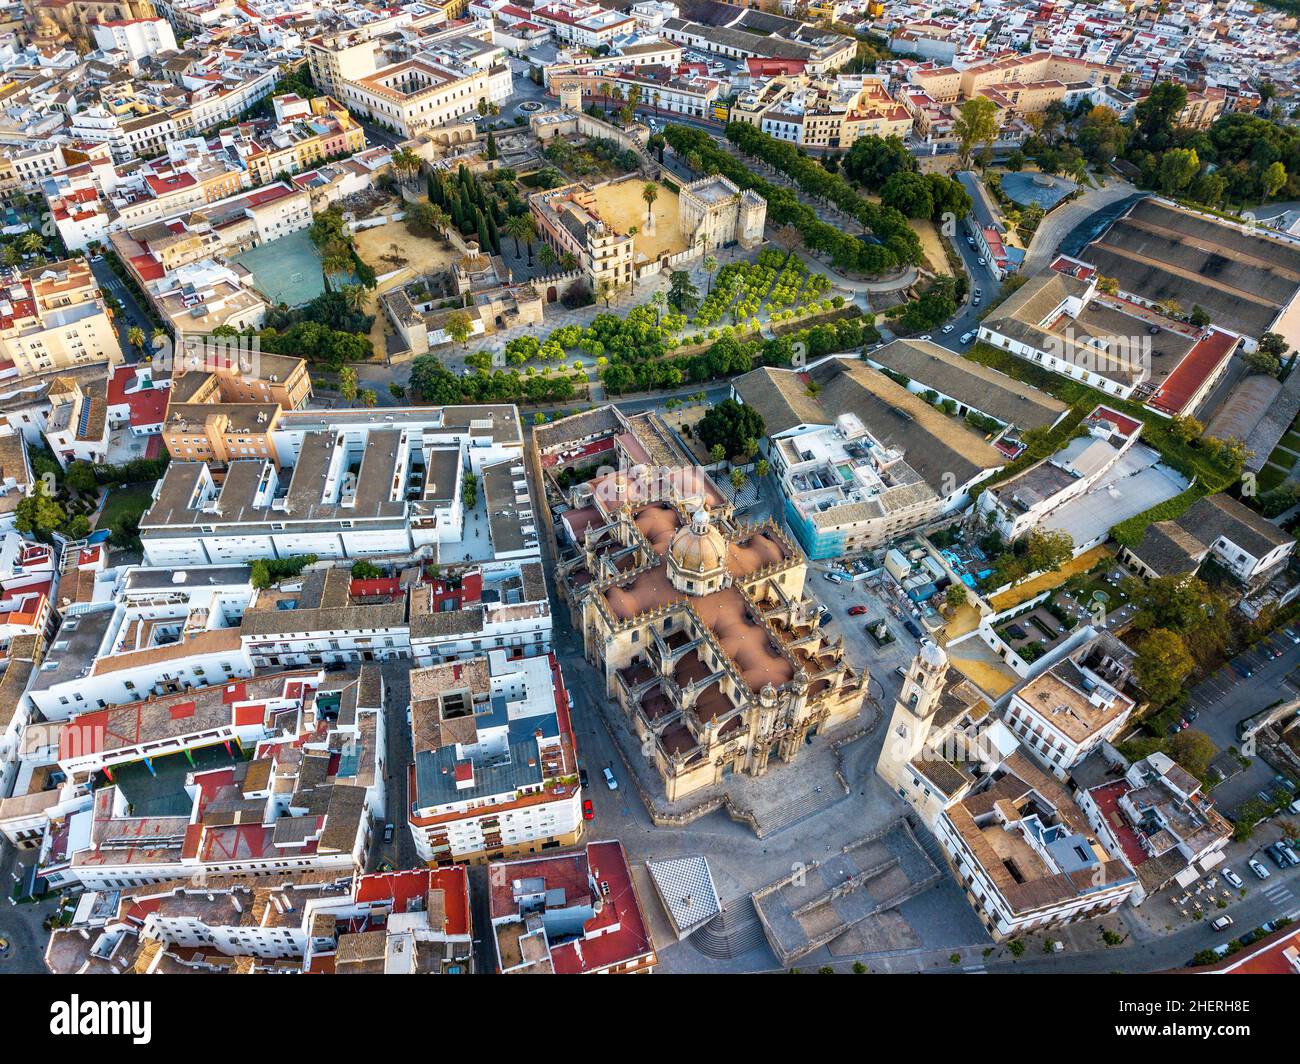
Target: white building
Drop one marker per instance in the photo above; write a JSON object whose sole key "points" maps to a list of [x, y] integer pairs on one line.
{"points": [[495, 772], [137, 37]]}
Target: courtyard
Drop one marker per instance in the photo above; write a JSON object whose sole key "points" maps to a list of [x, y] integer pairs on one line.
{"points": [[621, 205]]}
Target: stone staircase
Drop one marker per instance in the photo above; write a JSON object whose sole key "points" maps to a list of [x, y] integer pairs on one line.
{"points": [[732, 933], [800, 808]]}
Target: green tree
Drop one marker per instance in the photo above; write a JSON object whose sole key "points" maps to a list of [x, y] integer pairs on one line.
{"points": [[39, 514], [458, 327], [1162, 665], [729, 425], [81, 477], [650, 193], [347, 384], [976, 124]]}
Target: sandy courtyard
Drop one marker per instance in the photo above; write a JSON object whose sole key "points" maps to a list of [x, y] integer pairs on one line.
{"points": [[622, 207], [423, 255]]}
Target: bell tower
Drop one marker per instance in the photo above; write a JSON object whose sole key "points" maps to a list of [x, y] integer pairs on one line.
{"points": [[909, 725]]}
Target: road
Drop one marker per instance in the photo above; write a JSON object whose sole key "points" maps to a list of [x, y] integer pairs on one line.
{"points": [[133, 314]]}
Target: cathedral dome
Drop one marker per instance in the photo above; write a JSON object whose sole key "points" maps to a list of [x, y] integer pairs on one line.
{"points": [[698, 547], [697, 556]]}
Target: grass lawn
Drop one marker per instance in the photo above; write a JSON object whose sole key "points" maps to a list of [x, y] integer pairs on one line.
{"points": [[128, 499]]}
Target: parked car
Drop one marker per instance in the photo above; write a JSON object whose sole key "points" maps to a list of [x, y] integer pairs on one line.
{"points": [[948, 328], [388, 832], [1242, 669], [1190, 714], [1276, 855], [834, 578], [1222, 922], [857, 611], [901, 671], [1294, 808], [1291, 635], [1258, 869], [1287, 854], [823, 615], [967, 337], [913, 627], [983, 263], [582, 776], [1281, 781], [588, 812], [927, 336], [1232, 879], [610, 781]]}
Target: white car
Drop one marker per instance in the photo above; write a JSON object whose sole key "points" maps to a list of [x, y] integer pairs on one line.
{"points": [[1222, 922], [610, 781], [927, 336], [947, 328], [983, 263], [1259, 870], [834, 578], [1231, 877], [967, 337]]}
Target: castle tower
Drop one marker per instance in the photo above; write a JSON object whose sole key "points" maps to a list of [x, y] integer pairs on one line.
{"points": [[571, 96], [909, 726]]}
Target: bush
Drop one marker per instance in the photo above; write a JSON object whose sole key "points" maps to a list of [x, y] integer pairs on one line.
{"points": [[268, 571]]}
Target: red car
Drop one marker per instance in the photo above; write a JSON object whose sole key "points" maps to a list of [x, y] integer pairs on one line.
{"points": [[588, 813], [857, 611]]}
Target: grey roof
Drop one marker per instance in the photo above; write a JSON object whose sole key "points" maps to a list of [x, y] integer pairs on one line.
{"points": [[1179, 546], [970, 383]]}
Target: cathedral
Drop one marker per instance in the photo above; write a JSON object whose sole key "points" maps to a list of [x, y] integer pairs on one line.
{"points": [[704, 632]]}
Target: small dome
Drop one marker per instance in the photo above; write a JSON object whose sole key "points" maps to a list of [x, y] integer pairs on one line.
{"points": [[933, 655], [698, 548]]}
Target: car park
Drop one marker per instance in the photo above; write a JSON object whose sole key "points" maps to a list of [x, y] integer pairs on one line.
{"points": [[1230, 877], [1259, 870], [610, 781]]}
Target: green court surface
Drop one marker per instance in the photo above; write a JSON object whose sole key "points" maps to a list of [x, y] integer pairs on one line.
{"points": [[286, 270]]}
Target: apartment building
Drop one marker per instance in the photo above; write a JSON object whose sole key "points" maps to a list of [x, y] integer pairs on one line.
{"points": [[823, 113], [347, 484], [569, 914], [495, 771], [1069, 709], [903, 471], [53, 318]]}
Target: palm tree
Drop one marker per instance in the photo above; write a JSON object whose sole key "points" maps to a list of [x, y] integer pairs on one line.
{"points": [[135, 337], [354, 296], [659, 300], [710, 267], [649, 193], [546, 256], [406, 163], [604, 91], [31, 243], [520, 227], [439, 219], [158, 338], [568, 262]]}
